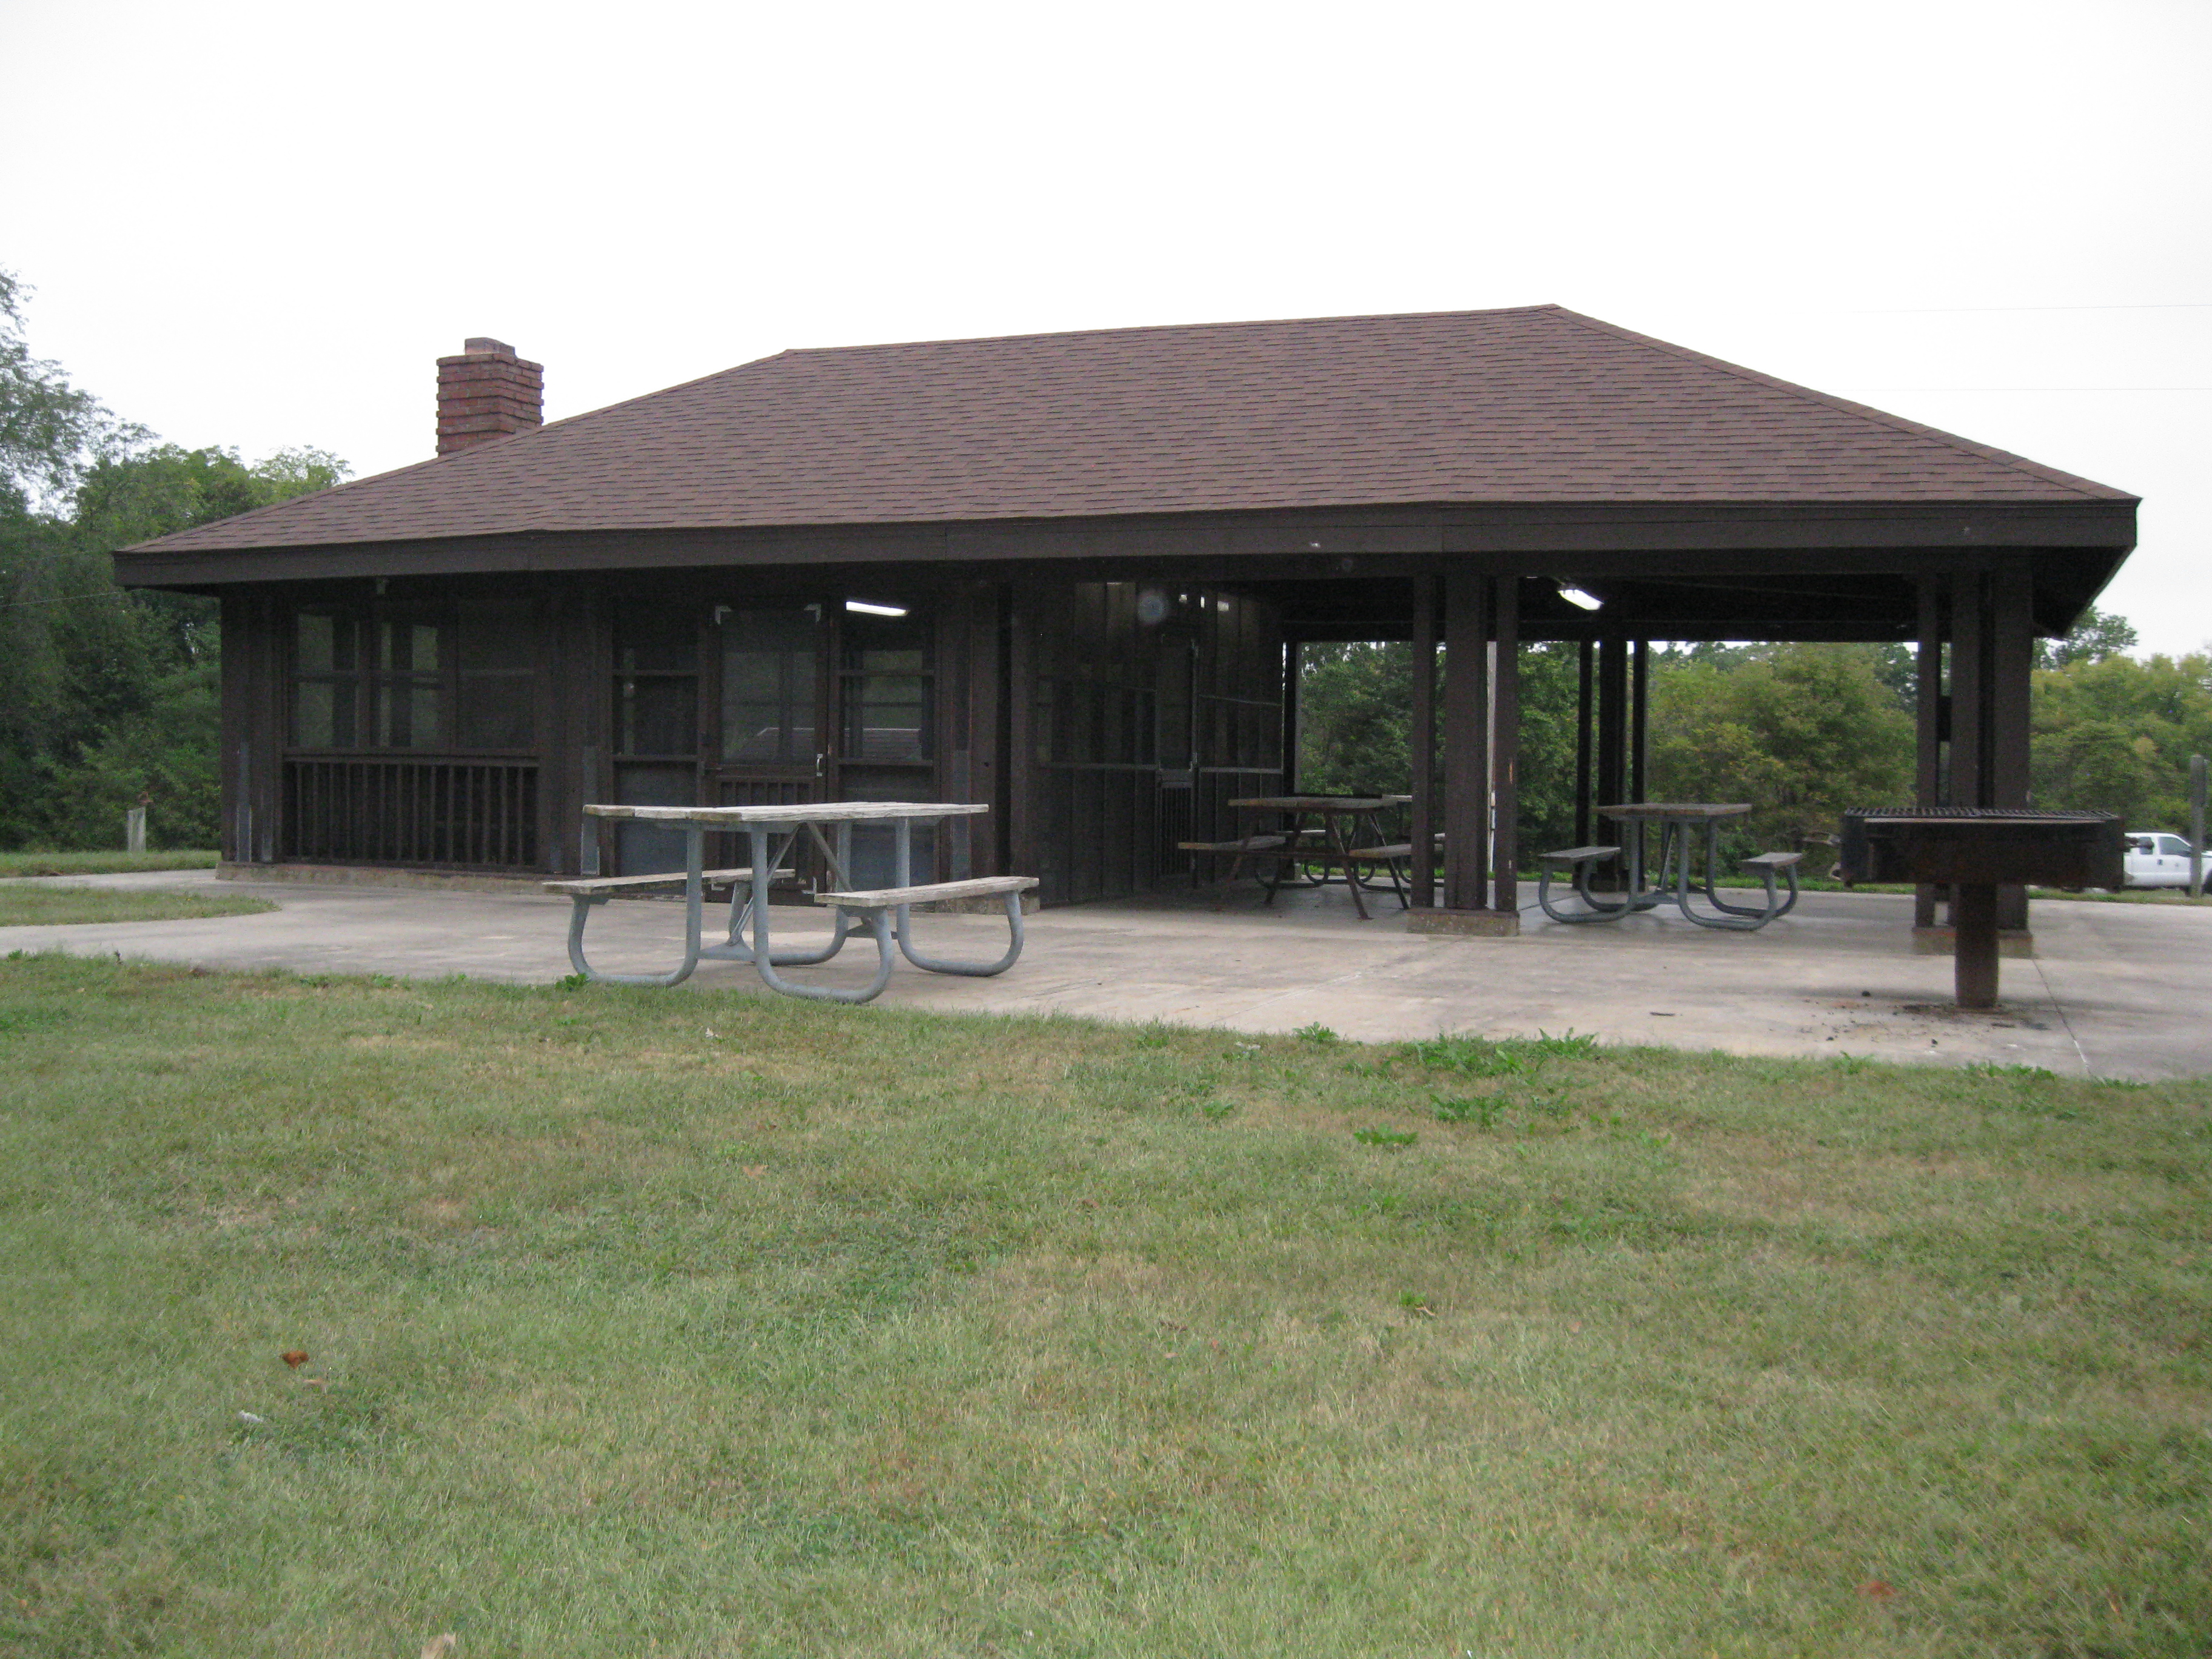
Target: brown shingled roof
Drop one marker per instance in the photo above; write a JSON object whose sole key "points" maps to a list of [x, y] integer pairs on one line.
{"points": [[1531, 404]]}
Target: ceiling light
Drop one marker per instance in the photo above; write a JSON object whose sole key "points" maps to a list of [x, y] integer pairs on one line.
{"points": [[1576, 596], [868, 609]]}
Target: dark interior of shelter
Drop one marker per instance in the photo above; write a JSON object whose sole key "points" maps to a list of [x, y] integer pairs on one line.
{"points": [[464, 730]]}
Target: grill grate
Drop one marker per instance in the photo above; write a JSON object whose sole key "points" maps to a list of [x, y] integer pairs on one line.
{"points": [[2024, 813]]}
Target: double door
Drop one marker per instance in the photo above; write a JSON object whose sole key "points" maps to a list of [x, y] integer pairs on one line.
{"points": [[787, 702]]}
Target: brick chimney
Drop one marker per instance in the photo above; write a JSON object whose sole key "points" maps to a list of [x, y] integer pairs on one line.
{"points": [[487, 392]]}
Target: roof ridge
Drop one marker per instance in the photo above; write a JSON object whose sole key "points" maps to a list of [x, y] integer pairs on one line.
{"points": [[1174, 328], [2072, 481]]}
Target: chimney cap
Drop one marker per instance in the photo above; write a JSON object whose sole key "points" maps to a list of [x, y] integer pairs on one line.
{"points": [[485, 342]]}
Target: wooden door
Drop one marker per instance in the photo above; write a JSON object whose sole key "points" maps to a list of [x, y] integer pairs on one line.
{"points": [[767, 722]]}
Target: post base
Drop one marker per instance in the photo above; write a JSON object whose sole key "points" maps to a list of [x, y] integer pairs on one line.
{"points": [[1468, 923]]}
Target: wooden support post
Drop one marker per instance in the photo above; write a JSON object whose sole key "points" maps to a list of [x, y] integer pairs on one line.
{"points": [[1974, 945], [1928, 727], [1639, 719], [235, 748], [1293, 662], [985, 747], [1424, 744], [2011, 660], [1585, 667], [255, 718], [2197, 826], [1023, 778], [1612, 749], [1466, 743], [1505, 751], [1969, 682], [1640, 737]]}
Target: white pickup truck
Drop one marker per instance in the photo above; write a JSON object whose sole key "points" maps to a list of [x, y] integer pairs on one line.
{"points": [[2156, 858]]}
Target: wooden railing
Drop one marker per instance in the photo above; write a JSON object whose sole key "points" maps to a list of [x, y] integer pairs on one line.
{"points": [[468, 814]]}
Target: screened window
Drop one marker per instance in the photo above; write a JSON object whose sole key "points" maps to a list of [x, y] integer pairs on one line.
{"points": [[768, 689], [656, 681], [888, 678], [388, 678]]}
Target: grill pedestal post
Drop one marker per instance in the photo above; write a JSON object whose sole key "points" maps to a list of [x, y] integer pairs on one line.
{"points": [[1974, 945]]}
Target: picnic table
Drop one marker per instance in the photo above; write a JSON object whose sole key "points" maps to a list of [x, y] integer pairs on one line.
{"points": [[771, 832], [1678, 822], [1327, 841]]}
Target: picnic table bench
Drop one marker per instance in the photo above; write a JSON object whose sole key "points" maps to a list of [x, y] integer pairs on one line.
{"points": [[1675, 881]]}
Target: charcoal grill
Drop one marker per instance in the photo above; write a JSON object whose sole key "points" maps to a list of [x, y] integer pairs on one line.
{"points": [[1974, 850]]}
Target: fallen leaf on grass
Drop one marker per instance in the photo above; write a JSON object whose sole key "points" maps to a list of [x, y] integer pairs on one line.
{"points": [[294, 1358], [439, 1646], [1876, 1590]]}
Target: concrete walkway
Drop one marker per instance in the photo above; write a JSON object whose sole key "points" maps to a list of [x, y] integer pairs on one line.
{"points": [[2114, 990]]}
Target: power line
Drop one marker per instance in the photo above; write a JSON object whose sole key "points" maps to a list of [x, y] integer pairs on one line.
{"points": [[65, 599], [1949, 311]]}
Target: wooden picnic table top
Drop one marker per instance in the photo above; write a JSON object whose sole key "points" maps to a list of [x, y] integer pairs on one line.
{"points": [[803, 812], [1313, 803], [1670, 809]]}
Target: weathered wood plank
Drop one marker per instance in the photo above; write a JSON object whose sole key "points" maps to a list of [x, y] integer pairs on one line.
{"points": [[620, 884], [884, 897]]}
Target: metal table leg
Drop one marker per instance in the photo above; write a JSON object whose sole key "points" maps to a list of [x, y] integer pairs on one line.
{"points": [[694, 888], [902, 929], [764, 958]]}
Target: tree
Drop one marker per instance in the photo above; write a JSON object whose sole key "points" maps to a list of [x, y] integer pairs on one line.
{"points": [[2113, 734], [1802, 731], [1356, 717], [2098, 635], [47, 426], [107, 697]]}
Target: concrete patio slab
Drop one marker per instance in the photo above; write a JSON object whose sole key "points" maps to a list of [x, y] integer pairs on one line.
{"points": [[2114, 990]]}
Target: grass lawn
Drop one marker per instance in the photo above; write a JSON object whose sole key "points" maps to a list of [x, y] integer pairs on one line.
{"points": [[48, 907], [101, 863], [693, 1324]]}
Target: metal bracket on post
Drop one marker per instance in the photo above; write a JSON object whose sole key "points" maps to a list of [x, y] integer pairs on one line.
{"points": [[588, 843]]}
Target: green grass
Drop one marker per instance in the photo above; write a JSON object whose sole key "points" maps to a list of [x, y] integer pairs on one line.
{"points": [[691, 1323], [101, 863], [50, 907]]}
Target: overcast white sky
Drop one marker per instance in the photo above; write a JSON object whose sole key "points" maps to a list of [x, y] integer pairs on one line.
{"points": [[257, 224]]}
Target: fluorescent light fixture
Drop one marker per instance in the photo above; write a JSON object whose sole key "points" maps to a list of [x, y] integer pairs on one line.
{"points": [[868, 609], [1576, 596]]}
